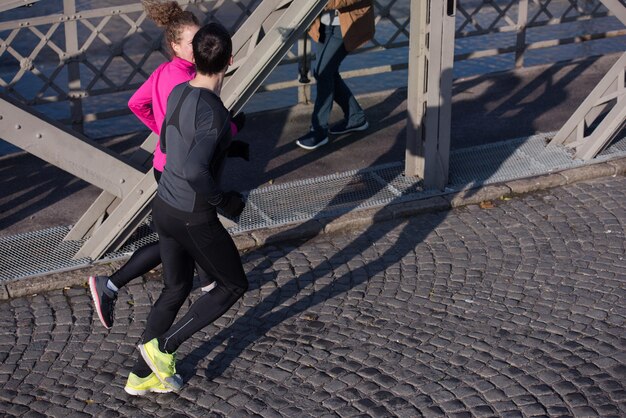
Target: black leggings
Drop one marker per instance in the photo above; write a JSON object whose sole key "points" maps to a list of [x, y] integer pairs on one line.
{"points": [[142, 261], [145, 259], [182, 240]]}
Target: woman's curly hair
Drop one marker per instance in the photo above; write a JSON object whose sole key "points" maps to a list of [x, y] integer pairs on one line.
{"points": [[170, 16]]}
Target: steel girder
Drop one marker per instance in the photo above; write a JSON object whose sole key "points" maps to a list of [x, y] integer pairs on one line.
{"points": [[258, 46], [65, 148], [12, 4], [429, 101], [602, 114]]}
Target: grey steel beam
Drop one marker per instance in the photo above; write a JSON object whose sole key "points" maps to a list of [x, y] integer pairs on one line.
{"points": [[93, 217], [606, 131], [416, 89], [281, 22], [123, 221], [294, 19], [522, 21], [73, 66], [59, 146], [104, 205], [608, 95], [431, 50], [110, 221], [252, 25], [616, 7], [607, 99], [13, 4]]}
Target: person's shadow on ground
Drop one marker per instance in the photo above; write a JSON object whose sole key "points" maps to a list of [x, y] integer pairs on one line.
{"points": [[275, 156], [279, 305]]}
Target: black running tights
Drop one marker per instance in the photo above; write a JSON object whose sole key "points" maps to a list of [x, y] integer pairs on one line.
{"points": [[181, 242]]}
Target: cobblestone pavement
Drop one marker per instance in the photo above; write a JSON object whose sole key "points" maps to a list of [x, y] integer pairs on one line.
{"points": [[514, 310]]}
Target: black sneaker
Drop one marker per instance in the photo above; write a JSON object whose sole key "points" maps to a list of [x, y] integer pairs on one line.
{"points": [[310, 141], [343, 128], [103, 299]]}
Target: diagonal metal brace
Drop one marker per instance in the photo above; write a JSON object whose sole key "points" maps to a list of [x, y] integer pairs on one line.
{"points": [[64, 148], [259, 45], [281, 22], [292, 19], [616, 7], [127, 216], [106, 203], [584, 131]]}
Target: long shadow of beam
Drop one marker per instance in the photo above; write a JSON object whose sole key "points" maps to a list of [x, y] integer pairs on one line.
{"points": [[279, 305], [511, 106], [382, 111], [257, 321]]}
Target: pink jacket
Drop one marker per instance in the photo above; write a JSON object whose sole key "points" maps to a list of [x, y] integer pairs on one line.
{"points": [[149, 103]]}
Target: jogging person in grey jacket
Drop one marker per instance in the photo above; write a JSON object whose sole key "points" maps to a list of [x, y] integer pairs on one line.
{"points": [[196, 135]]}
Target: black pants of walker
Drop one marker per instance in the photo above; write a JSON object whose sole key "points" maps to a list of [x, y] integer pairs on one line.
{"points": [[184, 238]]}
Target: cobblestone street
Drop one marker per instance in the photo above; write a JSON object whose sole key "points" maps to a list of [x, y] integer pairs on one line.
{"points": [[513, 310]]}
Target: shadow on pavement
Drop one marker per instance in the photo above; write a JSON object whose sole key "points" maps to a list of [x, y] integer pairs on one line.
{"points": [[277, 306]]}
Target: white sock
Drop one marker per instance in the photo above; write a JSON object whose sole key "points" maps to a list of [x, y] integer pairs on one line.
{"points": [[111, 286]]}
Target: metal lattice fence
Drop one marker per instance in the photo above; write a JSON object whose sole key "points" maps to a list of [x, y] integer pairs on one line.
{"points": [[45, 251], [79, 63]]}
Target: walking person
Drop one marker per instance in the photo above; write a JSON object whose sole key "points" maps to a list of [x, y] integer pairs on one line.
{"points": [[196, 135], [148, 103], [341, 28]]}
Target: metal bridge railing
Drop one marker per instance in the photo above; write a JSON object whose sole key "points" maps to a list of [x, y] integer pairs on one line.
{"points": [[80, 63]]}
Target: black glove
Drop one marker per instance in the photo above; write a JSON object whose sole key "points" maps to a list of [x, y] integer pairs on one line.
{"points": [[239, 120], [232, 204], [239, 149]]}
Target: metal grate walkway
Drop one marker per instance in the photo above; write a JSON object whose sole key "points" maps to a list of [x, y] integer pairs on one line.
{"points": [[39, 252]]}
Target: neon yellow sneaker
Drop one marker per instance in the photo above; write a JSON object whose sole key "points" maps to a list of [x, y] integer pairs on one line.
{"points": [[162, 364], [138, 386]]}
